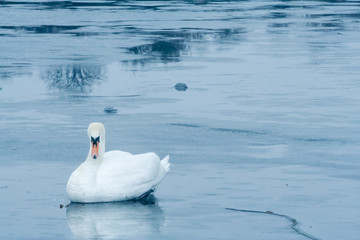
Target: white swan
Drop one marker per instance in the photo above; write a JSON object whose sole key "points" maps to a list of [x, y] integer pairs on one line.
{"points": [[115, 175]]}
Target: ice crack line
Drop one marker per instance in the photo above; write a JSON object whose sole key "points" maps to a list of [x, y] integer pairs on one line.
{"points": [[294, 222]]}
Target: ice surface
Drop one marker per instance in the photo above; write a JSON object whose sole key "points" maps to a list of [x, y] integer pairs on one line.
{"points": [[270, 121]]}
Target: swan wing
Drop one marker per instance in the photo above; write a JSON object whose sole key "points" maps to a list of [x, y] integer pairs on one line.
{"points": [[123, 175]]}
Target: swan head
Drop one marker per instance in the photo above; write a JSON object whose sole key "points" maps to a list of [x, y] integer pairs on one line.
{"points": [[96, 133]]}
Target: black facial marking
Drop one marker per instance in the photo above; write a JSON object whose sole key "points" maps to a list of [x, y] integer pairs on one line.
{"points": [[95, 141]]}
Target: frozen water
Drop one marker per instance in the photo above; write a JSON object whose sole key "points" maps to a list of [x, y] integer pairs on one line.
{"points": [[270, 121]]}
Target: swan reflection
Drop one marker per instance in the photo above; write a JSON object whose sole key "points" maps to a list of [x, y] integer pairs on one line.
{"points": [[115, 220]]}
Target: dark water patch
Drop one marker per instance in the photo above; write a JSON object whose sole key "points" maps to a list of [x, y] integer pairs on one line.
{"points": [[175, 34], [6, 35], [200, 33], [280, 25], [168, 50], [86, 34], [61, 4], [335, 26], [211, 194], [200, 2], [278, 15], [320, 45], [13, 66], [170, 44], [123, 4], [320, 140], [74, 78], [355, 15], [21, 64], [239, 131], [185, 33], [132, 6], [277, 7], [128, 96], [185, 125], [42, 29], [130, 28]]}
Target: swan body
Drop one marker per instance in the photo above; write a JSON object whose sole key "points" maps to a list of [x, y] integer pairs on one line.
{"points": [[114, 175]]}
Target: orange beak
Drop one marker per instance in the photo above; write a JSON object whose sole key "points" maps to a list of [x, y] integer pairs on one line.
{"points": [[94, 150]]}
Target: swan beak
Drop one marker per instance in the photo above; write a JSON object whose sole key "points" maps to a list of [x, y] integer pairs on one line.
{"points": [[94, 150], [95, 142]]}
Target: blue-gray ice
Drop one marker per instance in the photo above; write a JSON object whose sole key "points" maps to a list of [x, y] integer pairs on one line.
{"points": [[270, 121]]}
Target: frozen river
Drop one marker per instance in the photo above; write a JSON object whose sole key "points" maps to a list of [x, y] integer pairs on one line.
{"points": [[269, 123]]}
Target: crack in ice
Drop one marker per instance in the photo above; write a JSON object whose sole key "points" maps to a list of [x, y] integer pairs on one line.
{"points": [[294, 222]]}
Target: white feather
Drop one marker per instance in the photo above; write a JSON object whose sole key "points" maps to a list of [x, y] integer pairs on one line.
{"points": [[115, 175]]}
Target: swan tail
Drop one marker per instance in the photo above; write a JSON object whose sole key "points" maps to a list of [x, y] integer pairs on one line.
{"points": [[165, 163]]}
